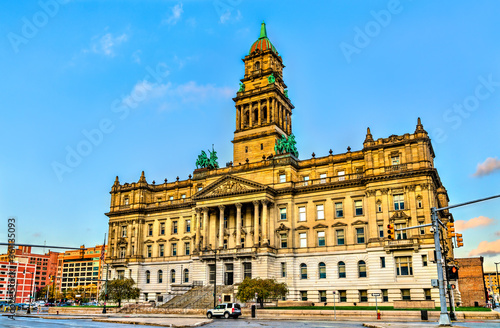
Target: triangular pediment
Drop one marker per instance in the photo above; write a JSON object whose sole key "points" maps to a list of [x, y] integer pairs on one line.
{"points": [[399, 215], [282, 227], [174, 239], [186, 238], [229, 185], [302, 228], [161, 240], [359, 222], [339, 224], [320, 226], [149, 241]]}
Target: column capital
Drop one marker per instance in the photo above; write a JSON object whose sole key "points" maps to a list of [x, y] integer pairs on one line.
{"points": [[265, 202], [256, 203], [197, 210], [221, 207], [205, 209], [238, 205]]}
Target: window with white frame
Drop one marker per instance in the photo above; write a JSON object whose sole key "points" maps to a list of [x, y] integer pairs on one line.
{"points": [[419, 203], [282, 178], [340, 234], [149, 251], [401, 234], [126, 201], [124, 231], [322, 178], [361, 269], [303, 271], [303, 239], [321, 238], [187, 248], [341, 266], [320, 212], [188, 225], [150, 229], [395, 160], [283, 240], [306, 180], [162, 228], [399, 202], [171, 198], [322, 270], [404, 266], [161, 250], [174, 227], [283, 269], [358, 207], [379, 206], [302, 213], [341, 175], [283, 213], [183, 196], [174, 249], [339, 210], [381, 231], [405, 294], [360, 235]]}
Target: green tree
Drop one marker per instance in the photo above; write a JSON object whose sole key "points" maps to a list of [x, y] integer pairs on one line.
{"points": [[266, 289], [120, 289]]}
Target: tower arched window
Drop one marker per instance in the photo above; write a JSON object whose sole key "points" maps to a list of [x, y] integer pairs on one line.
{"points": [[148, 277], [303, 271], [172, 276], [246, 118], [257, 65], [263, 115], [160, 276], [362, 269], [322, 270], [256, 116], [341, 269]]}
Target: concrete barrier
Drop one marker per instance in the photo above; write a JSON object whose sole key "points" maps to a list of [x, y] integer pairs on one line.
{"points": [[78, 310]]}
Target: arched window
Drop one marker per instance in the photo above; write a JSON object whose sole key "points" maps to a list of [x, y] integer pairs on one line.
{"points": [[172, 276], [246, 118], [341, 269], [148, 277], [257, 66], [186, 275], [263, 115], [255, 116], [303, 271], [362, 269], [160, 276], [322, 270]]}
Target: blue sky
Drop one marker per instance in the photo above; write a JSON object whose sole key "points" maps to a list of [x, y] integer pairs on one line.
{"points": [[145, 85]]}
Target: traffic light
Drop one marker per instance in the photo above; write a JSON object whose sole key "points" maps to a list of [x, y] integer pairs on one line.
{"points": [[451, 229], [460, 240], [452, 273], [76, 279], [390, 231]]}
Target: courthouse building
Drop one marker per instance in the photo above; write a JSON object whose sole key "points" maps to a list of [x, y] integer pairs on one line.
{"points": [[318, 224]]}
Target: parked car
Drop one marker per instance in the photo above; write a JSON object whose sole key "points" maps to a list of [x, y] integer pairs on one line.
{"points": [[225, 310]]}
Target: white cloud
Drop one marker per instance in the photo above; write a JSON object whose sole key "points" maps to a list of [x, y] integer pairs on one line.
{"points": [[486, 248], [487, 167], [106, 43], [175, 16], [167, 96], [228, 15], [136, 56], [480, 221]]}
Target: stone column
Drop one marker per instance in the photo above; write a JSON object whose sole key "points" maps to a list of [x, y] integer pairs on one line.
{"points": [[129, 238], [117, 233], [205, 227], [250, 115], [255, 222], [259, 119], [289, 121], [221, 226], [268, 111], [198, 230], [238, 117], [265, 235], [238, 225], [275, 111]]}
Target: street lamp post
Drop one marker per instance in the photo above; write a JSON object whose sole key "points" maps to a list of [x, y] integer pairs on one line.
{"points": [[215, 273], [31, 289]]}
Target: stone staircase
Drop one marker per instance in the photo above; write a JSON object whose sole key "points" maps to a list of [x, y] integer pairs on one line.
{"points": [[197, 298]]}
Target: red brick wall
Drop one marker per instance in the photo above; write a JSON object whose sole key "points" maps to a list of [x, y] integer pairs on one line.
{"points": [[471, 281]]}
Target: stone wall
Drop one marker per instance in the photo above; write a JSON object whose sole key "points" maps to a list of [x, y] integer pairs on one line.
{"points": [[414, 304]]}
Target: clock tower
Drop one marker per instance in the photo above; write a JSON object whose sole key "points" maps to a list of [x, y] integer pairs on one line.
{"points": [[263, 110]]}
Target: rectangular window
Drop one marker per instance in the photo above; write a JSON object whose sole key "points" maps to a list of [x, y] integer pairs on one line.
{"points": [[339, 210], [133, 250], [360, 235], [161, 250], [379, 207], [363, 296], [226, 222], [174, 227], [427, 293], [321, 238], [320, 212], [424, 260], [306, 180], [150, 253], [382, 262], [400, 234], [247, 270], [405, 294], [124, 231], [340, 237], [422, 229], [187, 248], [395, 160], [303, 239], [283, 213], [385, 295], [404, 266], [174, 249], [225, 244], [341, 175], [162, 228], [399, 202], [283, 269], [171, 198], [322, 295], [242, 242], [322, 177], [200, 188], [419, 203], [303, 295], [342, 296], [381, 231], [284, 240], [358, 207], [122, 252], [282, 178], [302, 213], [150, 229], [188, 225], [183, 196]]}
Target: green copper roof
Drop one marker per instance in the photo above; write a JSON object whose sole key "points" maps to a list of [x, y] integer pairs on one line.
{"points": [[262, 42]]}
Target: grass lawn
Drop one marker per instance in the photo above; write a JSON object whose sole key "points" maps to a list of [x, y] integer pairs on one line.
{"points": [[382, 308]]}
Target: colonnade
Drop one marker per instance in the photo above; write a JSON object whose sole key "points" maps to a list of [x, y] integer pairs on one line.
{"points": [[276, 112]]}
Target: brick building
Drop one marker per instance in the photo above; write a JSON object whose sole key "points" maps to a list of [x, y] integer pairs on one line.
{"points": [[24, 280], [46, 264], [471, 281]]}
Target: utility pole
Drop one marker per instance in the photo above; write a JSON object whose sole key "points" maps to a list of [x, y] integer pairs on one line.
{"points": [[498, 282]]}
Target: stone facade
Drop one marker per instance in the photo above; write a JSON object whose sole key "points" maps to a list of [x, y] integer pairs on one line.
{"points": [[318, 224], [471, 282]]}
